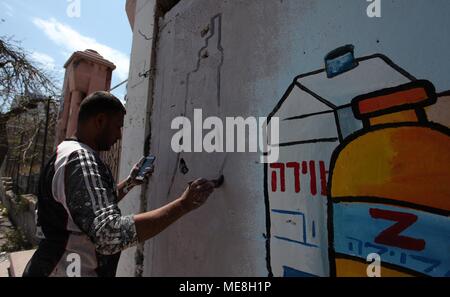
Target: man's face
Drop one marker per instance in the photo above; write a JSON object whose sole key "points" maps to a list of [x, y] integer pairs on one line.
{"points": [[110, 131]]}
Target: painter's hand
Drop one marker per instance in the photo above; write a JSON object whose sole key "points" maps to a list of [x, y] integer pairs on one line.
{"points": [[196, 194]]}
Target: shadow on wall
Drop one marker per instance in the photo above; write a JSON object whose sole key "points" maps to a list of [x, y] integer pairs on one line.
{"points": [[166, 5], [363, 168]]}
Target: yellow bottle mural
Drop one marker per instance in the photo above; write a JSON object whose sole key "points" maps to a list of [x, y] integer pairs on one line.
{"points": [[390, 187]]}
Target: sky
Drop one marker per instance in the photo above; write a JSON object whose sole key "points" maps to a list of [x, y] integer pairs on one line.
{"points": [[51, 30]]}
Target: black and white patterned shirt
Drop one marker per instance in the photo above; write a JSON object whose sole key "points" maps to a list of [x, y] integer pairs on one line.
{"points": [[79, 215]]}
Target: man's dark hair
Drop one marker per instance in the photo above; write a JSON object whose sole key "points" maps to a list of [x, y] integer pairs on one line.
{"points": [[99, 102]]}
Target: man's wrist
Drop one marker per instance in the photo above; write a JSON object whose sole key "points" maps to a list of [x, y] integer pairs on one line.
{"points": [[182, 205], [128, 184], [130, 181]]}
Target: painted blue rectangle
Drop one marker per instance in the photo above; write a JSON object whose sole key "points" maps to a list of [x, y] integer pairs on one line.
{"points": [[355, 231], [291, 272], [303, 233]]}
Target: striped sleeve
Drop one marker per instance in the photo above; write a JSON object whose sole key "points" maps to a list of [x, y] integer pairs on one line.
{"points": [[92, 203]]}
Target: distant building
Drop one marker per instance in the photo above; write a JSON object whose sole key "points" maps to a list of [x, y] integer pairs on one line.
{"points": [[86, 72]]}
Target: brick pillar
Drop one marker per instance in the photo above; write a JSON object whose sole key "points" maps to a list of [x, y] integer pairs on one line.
{"points": [[75, 100], [86, 72]]}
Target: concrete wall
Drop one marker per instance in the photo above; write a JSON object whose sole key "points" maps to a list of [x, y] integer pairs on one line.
{"points": [[136, 125], [240, 58]]}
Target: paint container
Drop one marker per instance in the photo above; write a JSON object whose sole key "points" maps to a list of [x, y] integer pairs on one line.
{"points": [[315, 117], [390, 187]]}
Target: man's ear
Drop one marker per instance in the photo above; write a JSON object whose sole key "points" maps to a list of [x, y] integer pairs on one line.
{"points": [[101, 120]]}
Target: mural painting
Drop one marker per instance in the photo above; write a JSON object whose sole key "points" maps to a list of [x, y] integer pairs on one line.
{"points": [[363, 168]]}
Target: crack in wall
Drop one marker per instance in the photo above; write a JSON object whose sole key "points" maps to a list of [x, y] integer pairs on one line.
{"points": [[145, 36], [215, 25], [150, 74]]}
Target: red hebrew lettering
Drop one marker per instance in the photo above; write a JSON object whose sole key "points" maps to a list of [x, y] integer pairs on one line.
{"points": [[323, 178], [312, 171], [282, 177], [274, 181], [296, 167], [304, 167]]}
